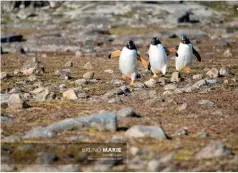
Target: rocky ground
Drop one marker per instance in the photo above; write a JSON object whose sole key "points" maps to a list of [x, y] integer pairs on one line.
{"points": [[58, 86]]}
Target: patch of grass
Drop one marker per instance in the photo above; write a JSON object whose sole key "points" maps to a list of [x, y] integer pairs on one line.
{"points": [[184, 154]]}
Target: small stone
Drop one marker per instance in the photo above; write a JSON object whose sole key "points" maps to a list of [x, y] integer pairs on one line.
{"points": [[88, 66], [4, 75], [197, 76], [83, 95], [182, 107], [212, 81], [227, 53], [32, 66], [69, 64], [70, 95], [16, 72], [6, 118], [214, 149], [15, 90], [167, 93], [89, 75], [63, 74], [200, 83], [37, 90], [206, 102], [31, 78], [46, 157], [15, 102], [224, 71], [139, 85], [213, 73], [203, 134], [226, 81], [135, 151], [126, 112], [78, 54], [80, 82], [140, 131], [115, 100], [163, 81], [44, 95], [150, 83], [182, 131], [108, 71], [38, 132], [176, 77], [117, 82], [170, 87], [154, 166]]}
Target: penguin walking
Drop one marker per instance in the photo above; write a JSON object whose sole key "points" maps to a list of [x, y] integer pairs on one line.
{"points": [[184, 55], [128, 61], [158, 57]]}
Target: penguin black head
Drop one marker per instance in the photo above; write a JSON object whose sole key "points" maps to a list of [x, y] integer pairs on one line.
{"points": [[155, 41], [185, 40], [131, 45]]}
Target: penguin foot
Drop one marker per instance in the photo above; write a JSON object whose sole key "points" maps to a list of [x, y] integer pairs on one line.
{"points": [[132, 82], [155, 75], [187, 69]]}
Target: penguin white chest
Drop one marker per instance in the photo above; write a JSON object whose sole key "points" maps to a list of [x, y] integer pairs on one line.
{"points": [[184, 56], [128, 61], [158, 58]]}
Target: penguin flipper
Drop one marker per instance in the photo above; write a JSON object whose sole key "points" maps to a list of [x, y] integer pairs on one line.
{"points": [[197, 55], [142, 60], [114, 54]]}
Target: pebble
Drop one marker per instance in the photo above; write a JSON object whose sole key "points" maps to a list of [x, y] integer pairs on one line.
{"points": [[115, 100], [154, 166], [182, 107], [227, 53], [88, 66], [176, 77], [213, 73], [4, 75], [109, 71], [15, 102], [170, 87], [88, 75], [150, 83], [197, 76], [126, 112], [224, 71], [70, 95], [206, 102], [69, 64]]}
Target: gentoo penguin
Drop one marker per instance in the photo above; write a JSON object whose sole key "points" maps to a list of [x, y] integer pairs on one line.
{"points": [[128, 61], [184, 55], [158, 57]]}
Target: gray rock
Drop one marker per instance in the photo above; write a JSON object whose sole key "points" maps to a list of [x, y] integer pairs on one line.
{"points": [[32, 66], [83, 95], [224, 71], [88, 66], [39, 132], [154, 166], [113, 92], [212, 81], [80, 82], [32, 78], [115, 100], [140, 131], [4, 75], [69, 64], [203, 134], [101, 121], [63, 74], [206, 102], [197, 76], [170, 87], [5, 118], [176, 77], [162, 81], [12, 138], [117, 82], [139, 85], [15, 90], [46, 157], [199, 83], [15, 102], [214, 149], [44, 95], [77, 138], [182, 107], [89, 75], [180, 132], [150, 83], [24, 147], [4, 97], [213, 73], [126, 112]]}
